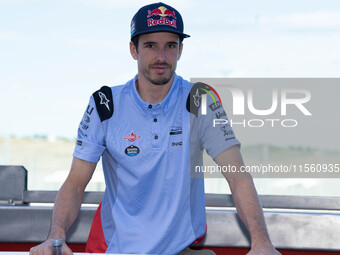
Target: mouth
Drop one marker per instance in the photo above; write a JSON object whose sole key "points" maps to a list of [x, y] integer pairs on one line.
{"points": [[160, 69]]}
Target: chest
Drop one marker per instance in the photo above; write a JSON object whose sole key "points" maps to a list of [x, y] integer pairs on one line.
{"points": [[132, 133]]}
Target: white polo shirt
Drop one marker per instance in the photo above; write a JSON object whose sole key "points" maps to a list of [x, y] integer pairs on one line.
{"points": [[151, 204]]}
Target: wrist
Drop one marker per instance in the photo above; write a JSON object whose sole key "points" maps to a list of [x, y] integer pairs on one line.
{"points": [[261, 240], [263, 243], [57, 233]]}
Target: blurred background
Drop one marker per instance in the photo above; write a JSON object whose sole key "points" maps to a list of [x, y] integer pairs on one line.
{"points": [[55, 54]]}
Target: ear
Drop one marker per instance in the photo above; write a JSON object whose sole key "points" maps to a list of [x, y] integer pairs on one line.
{"points": [[180, 51], [133, 51]]}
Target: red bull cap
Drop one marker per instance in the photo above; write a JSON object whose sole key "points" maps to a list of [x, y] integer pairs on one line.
{"points": [[157, 17]]}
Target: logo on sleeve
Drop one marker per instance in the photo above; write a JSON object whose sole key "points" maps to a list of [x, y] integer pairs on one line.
{"points": [[88, 110], [104, 100], [198, 99], [215, 106], [104, 103], [132, 151]]}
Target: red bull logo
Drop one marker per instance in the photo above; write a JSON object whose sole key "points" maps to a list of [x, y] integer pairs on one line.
{"points": [[164, 14]]}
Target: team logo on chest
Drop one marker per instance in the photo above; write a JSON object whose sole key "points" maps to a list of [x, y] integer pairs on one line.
{"points": [[132, 137], [175, 130], [132, 151]]}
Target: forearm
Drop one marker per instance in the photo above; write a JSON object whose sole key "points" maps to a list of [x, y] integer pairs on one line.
{"points": [[66, 210], [245, 196], [249, 209], [67, 205]]}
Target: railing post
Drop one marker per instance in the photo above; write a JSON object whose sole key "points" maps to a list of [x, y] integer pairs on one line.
{"points": [[13, 184]]}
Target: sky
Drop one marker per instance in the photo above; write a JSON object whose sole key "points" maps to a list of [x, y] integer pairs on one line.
{"points": [[55, 54]]}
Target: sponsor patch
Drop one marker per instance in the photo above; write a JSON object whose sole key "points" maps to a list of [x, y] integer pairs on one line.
{"points": [[84, 126], [132, 137], [104, 103], [86, 118], [176, 144], [176, 130], [163, 16], [104, 100], [81, 132], [215, 106], [197, 99], [89, 110], [132, 151], [220, 114], [227, 131]]}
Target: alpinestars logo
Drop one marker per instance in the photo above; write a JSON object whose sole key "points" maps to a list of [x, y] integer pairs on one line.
{"points": [[197, 98], [104, 100], [202, 99]]}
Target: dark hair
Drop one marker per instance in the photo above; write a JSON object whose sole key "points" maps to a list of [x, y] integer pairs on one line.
{"points": [[135, 41]]}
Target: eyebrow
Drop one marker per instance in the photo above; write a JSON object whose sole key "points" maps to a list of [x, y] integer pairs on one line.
{"points": [[151, 42]]}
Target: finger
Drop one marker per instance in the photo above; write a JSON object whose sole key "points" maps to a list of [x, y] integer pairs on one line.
{"points": [[67, 250], [47, 250], [32, 251]]}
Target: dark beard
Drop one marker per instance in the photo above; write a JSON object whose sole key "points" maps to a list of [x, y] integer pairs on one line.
{"points": [[164, 80], [160, 82]]}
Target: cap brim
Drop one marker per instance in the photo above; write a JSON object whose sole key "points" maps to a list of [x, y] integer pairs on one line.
{"points": [[184, 35], [163, 30]]}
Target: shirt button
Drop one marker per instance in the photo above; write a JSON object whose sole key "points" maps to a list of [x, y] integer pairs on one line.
{"points": [[155, 119], [150, 106], [156, 136]]}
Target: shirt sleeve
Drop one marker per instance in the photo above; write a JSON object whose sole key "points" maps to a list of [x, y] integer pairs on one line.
{"points": [[216, 134], [90, 143]]}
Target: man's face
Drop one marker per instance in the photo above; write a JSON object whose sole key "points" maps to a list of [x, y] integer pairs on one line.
{"points": [[157, 56]]}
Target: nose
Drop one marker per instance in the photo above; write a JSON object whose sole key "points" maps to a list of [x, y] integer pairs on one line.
{"points": [[161, 55]]}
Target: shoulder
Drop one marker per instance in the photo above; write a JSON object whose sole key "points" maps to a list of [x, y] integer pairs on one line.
{"points": [[194, 96], [193, 93], [184, 84], [104, 99], [104, 102]]}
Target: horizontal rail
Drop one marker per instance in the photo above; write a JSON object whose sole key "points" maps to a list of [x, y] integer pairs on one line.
{"points": [[91, 197], [279, 202], [305, 230], [212, 200], [13, 191]]}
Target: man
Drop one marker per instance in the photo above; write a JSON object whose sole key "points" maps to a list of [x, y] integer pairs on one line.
{"points": [[142, 130]]}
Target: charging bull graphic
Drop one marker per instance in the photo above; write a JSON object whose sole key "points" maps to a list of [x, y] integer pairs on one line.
{"points": [[164, 15]]}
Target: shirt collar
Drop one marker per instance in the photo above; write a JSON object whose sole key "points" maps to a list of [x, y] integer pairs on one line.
{"points": [[167, 102]]}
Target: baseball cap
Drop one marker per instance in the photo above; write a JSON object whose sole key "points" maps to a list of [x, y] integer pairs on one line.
{"points": [[157, 17]]}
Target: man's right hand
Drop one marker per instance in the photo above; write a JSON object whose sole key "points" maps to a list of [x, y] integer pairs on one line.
{"points": [[67, 205], [46, 248]]}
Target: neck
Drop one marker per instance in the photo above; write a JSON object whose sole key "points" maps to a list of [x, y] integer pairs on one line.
{"points": [[152, 93]]}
